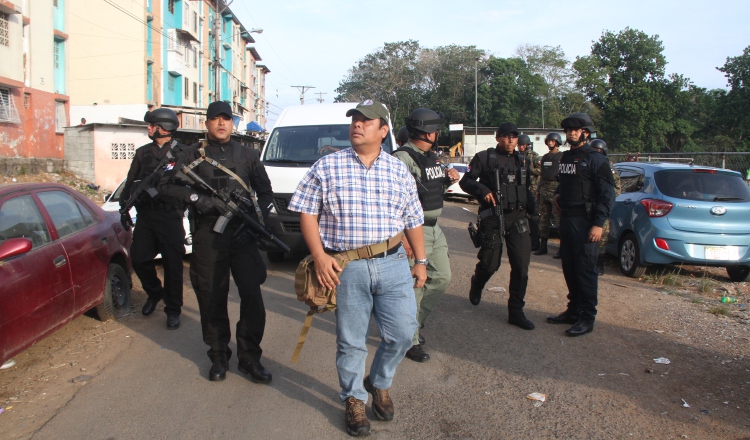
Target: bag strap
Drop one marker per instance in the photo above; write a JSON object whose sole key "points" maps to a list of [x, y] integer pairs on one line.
{"points": [[302, 336]]}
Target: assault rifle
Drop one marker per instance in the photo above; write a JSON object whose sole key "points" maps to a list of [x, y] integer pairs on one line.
{"points": [[149, 183], [234, 203], [499, 205]]}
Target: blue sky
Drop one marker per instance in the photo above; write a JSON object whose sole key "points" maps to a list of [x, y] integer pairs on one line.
{"points": [[316, 42]]}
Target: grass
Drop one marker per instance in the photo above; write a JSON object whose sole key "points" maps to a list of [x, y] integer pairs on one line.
{"points": [[667, 277], [720, 310]]}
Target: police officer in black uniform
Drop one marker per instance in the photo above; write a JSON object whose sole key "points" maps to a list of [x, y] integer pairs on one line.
{"points": [[517, 200], [159, 228], [584, 198], [545, 191], [223, 163]]}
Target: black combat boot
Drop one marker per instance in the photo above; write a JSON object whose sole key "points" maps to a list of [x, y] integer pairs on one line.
{"points": [[475, 294], [542, 247]]}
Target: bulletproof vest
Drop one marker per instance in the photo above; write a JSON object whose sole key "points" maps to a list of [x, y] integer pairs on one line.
{"points": [[432, 178], [232, 156], [575, 178], [149, 162], [512, 178], [550, 165]]}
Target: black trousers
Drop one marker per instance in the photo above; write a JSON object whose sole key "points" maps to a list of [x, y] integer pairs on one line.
{"points": [[214, 256], [579, 266], [519, 255], [160, 232]]}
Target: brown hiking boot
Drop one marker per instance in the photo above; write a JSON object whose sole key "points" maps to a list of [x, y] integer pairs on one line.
{"points": [[382, 405], [355, 417]]}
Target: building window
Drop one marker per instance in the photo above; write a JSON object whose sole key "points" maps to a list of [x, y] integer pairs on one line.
{"points": [[195, 92], [4, 35], [187, 88], [8, 112], [170, 83], [26, 100], [61, 119], [122, 151], [195, 22], [170, 6], [57, 54]]}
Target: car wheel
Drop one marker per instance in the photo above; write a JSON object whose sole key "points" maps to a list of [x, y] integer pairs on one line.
{"points": [[630, 260], [116, 301], [738, 273], [275, 256]]}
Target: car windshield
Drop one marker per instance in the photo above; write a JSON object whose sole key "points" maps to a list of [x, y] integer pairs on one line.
{"points": [[700, 184], [307, 144]]}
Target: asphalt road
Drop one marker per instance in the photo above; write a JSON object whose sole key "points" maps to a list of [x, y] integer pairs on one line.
{"points": [[473, 387]]}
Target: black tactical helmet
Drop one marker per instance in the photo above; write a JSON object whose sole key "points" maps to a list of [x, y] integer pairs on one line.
{"points": [[599, 145], [402, 136], [166, 118], [578, 120], [555, 137], [424, 120], [524, 139]]}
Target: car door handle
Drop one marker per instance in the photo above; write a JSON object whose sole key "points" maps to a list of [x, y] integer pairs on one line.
{"points": [[627, 201], [105, 240], [59, 261]]}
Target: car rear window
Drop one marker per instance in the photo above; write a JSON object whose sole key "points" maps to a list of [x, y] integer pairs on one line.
{"points": [[715, 186]]}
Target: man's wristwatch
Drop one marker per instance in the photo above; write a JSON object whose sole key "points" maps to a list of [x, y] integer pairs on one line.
{"points": [[423, 261]]}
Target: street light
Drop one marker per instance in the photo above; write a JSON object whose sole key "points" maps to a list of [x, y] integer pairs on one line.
{"points": [[476, 106], [542, 113], [256, 31]]}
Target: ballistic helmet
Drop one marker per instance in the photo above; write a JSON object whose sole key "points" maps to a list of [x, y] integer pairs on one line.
{"points": [[424, 120], [554, 137], [599, 145], [578, 120], [165, 118], [402, 136], [524, 139]]}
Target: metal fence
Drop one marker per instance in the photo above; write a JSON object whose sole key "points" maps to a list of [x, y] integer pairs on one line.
{"points": [[727, 160]]}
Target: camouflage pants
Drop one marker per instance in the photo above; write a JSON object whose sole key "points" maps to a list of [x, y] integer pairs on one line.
{"points": [[603, 241], [546, 208]]}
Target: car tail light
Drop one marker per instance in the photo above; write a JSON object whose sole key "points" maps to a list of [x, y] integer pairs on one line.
{"points": [[705, 171], [656, 208], [661, 243]]}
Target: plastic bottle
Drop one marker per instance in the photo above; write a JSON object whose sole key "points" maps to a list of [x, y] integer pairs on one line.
{"points": [[728, 299]]}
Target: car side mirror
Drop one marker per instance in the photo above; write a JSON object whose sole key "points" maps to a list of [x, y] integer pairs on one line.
{"points": [[107, 196], [14, 247]]}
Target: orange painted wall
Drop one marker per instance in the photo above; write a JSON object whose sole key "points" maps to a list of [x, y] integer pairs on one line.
{"points": [[34, 136]]}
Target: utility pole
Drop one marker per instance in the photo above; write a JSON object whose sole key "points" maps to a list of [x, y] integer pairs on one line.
{"points": [[217, 49], [320, 96], [303, 89]]}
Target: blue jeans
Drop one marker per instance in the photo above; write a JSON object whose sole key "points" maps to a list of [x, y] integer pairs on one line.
{"points": [[384, 288]]}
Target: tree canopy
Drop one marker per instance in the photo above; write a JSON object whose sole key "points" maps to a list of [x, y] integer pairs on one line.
{"points": [[621, 83]]}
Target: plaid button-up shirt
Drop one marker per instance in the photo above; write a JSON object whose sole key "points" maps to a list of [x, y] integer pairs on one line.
{"points": [[358, 206]]}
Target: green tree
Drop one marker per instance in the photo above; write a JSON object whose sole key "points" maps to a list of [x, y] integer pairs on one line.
{"points": [[733, 111], [510, 92], [390, 75], [550, 63]]}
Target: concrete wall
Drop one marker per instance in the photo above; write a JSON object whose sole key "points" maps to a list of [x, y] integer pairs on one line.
{"points": [[102, 153]]}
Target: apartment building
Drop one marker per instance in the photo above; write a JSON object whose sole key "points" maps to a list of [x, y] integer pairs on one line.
{"points": [[134, 55], [34, 87]]}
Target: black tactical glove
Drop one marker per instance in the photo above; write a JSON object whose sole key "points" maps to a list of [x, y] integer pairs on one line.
{"points": [[126, 221], [203, 204]]}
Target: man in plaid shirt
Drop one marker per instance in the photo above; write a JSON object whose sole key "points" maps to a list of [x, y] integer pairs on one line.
{"points": [[354, 198]]}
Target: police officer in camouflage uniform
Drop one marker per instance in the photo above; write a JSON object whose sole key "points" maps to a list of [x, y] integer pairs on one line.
{"points": [[545, 190], [601, 146], [159, 229], [517, 199], [584, 197], [423, 126], [526, 148]]}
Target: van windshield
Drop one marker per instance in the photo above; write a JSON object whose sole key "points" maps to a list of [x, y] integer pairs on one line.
{"points": [[307, 144]]}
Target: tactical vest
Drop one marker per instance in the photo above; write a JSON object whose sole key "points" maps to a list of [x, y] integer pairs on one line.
{"points": [[550, 165], [432, 178], [575, 180], [512, 179], [149, 161], [234, 157]]}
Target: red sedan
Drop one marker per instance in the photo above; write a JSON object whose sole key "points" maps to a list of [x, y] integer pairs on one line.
{"points": [[60, 255]]}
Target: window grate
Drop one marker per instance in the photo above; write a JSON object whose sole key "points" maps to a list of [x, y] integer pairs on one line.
{"points": [[4, 34], [122, 151], [8, 112], [26, 100]]}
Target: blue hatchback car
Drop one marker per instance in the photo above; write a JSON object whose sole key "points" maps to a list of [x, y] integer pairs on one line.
{"points": [[680, 213]]}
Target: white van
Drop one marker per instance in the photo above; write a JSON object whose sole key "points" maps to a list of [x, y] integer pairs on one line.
{"points": [[302, 135]]}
